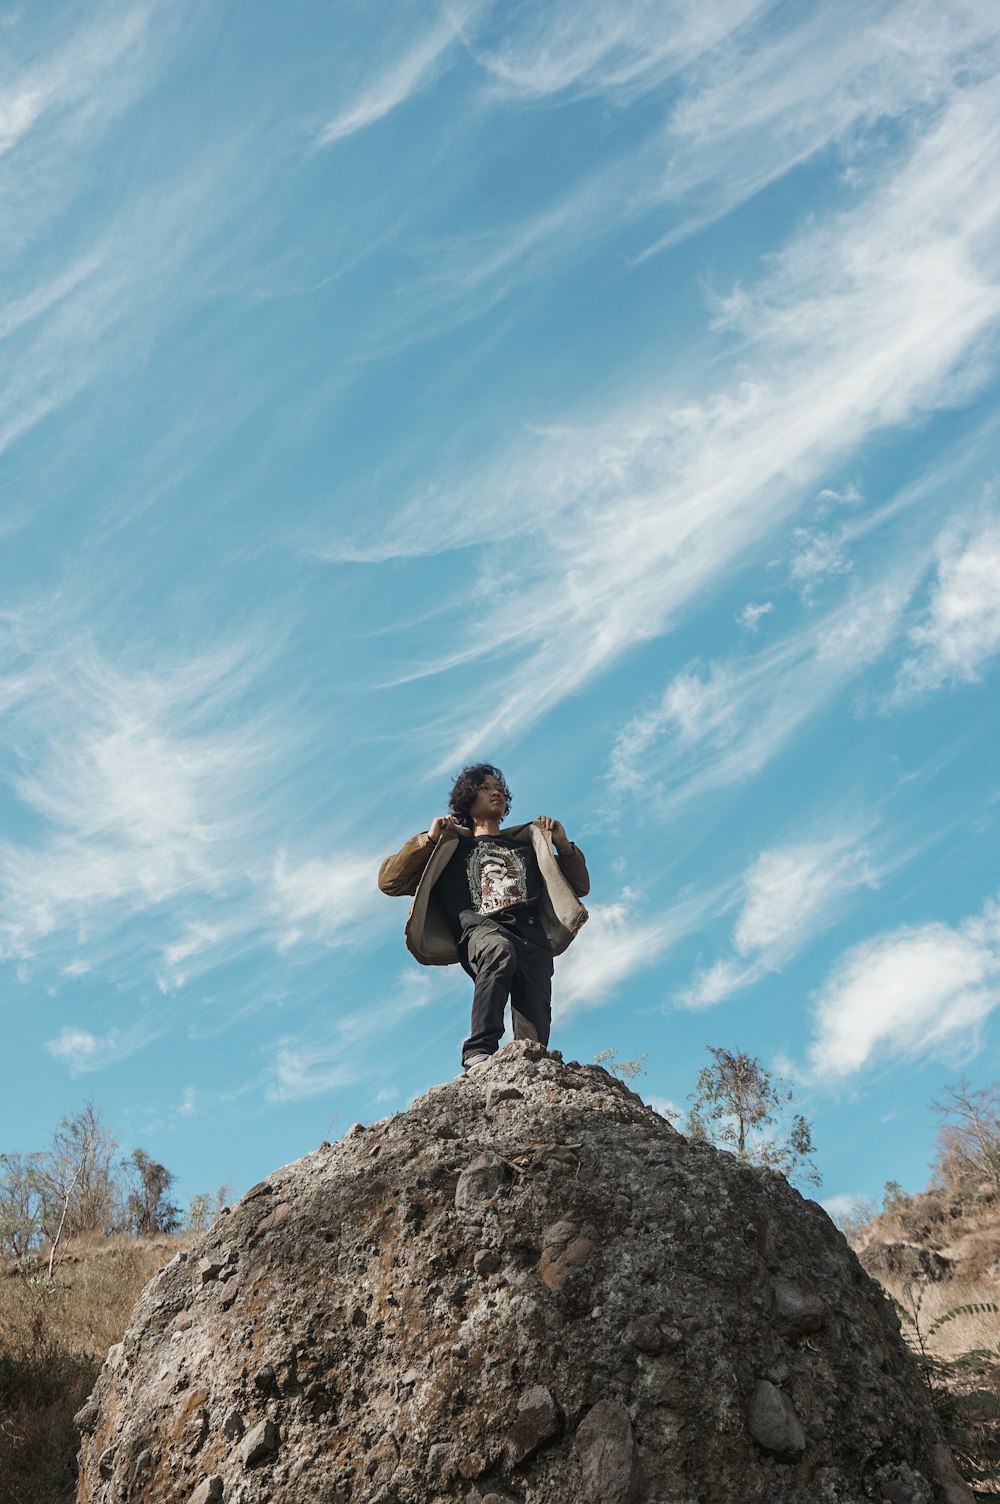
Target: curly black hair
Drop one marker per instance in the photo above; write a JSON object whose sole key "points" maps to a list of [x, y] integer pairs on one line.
{"points": [[467, 786]]}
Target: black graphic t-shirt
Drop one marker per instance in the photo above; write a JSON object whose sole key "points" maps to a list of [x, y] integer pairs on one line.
{"points": [[495, 878]]}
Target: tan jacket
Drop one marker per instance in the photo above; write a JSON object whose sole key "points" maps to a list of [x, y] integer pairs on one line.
{"points": [[418, 866]]}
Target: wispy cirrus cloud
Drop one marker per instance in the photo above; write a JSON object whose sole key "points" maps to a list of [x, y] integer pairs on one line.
{"points": [[110, 299], [334, 1054], [135, 785], [587, 49], [158, 821], [748, 99], [772, 101], [82, 74], [412, 63], [528, 53], [867, 320], [923, 990], [720, 724], [321, 899]]}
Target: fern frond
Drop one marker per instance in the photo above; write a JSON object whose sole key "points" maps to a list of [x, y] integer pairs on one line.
{"points": [[974, 1308]]}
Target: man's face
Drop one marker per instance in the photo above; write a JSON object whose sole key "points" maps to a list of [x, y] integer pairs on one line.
{"points": [[489, 801]]}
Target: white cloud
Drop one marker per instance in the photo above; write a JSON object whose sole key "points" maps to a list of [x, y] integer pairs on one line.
{"points": [[750, 616], [140, 788], [788, 895], [753, 102], [920, 990], [790, 890], [528, 52], [83, 1051], [816, 557], [842, 1204], [324, 899], [90, 72], [77, 1047], [849, 495], [189, 1103], [714, 983], [960, 631], [614, 944]]}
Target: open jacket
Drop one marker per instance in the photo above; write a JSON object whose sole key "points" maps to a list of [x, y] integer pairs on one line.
{"points": [[416, 868]]}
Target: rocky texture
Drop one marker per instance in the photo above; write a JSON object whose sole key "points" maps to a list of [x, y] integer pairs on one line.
{"points": [[929, 1236], [527, 1289], [905, 1261]]}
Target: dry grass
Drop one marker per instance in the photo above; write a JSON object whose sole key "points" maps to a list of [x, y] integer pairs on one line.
{"points": [[956, 1337], [970, 1331], [54, 1335]]}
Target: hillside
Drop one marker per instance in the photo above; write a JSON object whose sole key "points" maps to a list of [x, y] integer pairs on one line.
{"points": [[54, 1337], [939, 1257]]}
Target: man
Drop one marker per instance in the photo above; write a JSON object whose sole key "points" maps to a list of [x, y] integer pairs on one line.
{"points": [[502, 902]]}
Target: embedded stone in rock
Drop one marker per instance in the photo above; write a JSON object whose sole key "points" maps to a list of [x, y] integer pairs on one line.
{"points": [[564, 1248], [568, 1334], [274, 1219], [773, 1423], [85, 1418], [439, 1461], [497, 1092], [536, 1422], [609, 1458], [143, 1463], [262, 1442], [480, 1182], [233, 1427], [208, 1492], [645, 1334], [798, 1312]]}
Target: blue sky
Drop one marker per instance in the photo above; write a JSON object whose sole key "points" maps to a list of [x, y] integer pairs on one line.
{"points": [[605, 390]]}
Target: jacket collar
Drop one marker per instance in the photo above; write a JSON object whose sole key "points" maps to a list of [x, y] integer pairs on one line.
{"points": [[512, 832]]}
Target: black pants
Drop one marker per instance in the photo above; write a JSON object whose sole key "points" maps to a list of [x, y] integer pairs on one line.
{"points": [[505, 965]]}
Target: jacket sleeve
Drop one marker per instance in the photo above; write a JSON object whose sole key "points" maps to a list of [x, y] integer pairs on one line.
{"points": [[574, 870], [399, 875]]}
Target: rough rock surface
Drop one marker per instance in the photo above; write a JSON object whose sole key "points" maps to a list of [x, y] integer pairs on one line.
{"points": [[904, 1261], [527, 1289]]}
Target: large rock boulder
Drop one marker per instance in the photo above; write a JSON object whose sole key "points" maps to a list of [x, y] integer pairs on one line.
{"points": [[527, 1289]]}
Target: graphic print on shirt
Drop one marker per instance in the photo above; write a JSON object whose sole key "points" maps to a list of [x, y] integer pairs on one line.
{"points": [[497, 877]]}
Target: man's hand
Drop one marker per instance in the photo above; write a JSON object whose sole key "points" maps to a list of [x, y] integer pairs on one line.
{"points": [[555, 831], [439, 826]]}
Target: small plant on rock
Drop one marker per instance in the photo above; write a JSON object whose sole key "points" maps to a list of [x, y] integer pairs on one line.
{"points": [[740, 1106]]}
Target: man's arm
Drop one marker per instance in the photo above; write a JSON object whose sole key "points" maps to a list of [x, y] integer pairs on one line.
{"points": [[399, 875], [571, 860], [574, 869]]}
